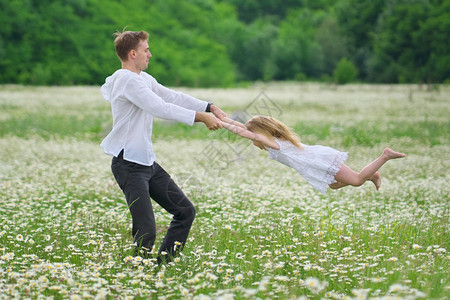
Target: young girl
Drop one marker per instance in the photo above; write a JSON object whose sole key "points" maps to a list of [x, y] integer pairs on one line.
{"points": [[321, 166]]}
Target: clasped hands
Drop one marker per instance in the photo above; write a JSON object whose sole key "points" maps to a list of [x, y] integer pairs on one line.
{"points": [[212, 121]]}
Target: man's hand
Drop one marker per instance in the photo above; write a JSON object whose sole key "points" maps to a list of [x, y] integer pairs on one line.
{"points": [[217, 112], [211, 122]]}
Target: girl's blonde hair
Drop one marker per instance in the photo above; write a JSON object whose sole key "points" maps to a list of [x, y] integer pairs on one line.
{"points": [[273, 128]]}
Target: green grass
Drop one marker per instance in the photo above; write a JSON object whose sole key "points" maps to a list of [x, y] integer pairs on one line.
{"points": [[371, 133], [95, 125], [260, 230]]}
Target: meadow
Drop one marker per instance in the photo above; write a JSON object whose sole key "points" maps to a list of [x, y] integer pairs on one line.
{"points": [[261, 231]]}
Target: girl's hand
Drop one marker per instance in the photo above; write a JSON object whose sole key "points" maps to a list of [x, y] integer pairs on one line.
{"points": [[218, 112]]}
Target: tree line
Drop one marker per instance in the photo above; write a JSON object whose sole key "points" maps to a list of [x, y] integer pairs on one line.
{"points": [[222, 42]]}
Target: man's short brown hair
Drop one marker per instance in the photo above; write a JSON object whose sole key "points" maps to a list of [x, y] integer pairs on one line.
{"points": [[128, 40]]}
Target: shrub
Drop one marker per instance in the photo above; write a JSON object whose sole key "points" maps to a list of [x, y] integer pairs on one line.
{"points": [[345, 71]]}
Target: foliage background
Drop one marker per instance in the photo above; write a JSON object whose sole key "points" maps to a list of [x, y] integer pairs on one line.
{"points": [[219, 43]]}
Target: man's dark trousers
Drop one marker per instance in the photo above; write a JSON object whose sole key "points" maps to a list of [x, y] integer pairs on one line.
{"points": [[140, 184]]}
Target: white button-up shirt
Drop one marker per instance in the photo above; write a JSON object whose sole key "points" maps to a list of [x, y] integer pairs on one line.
{"points": [[135, 99]]}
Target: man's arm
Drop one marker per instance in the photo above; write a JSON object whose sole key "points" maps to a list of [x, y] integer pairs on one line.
{"points": [[184, 100], [176, 97], [140, 94]]}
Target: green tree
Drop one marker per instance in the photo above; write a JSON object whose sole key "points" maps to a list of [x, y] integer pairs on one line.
{"points": [[396, 58], [345, 72], [70, 41], [252, 10], [275, 10], [298, 52], [431, 44], [254, 59], [16, 39], [215, 43], [357, 20], [332, 42], [180, 40], [197, 57]]}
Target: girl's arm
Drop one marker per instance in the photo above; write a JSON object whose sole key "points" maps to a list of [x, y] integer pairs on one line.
{"points": [[242, 131], [233, 122]]}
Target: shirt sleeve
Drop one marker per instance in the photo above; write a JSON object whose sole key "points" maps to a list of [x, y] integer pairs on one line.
{"points": [[175, 97], [141, 95]]}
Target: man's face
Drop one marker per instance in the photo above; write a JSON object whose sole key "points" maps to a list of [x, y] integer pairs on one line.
{"points": [[142, 55]]}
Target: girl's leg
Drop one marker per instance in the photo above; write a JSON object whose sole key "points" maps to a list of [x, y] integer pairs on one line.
{"points": [[349, 177], [376, 179], [337, 185]]}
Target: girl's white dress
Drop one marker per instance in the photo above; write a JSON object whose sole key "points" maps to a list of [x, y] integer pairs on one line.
{"points": [[317, 164]]}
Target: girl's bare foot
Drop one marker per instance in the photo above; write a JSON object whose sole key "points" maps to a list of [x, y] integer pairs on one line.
{"points": [[376, 179], [391, 154]]}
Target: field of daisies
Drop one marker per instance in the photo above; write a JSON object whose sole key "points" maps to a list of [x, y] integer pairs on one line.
{"points": [[261, 231]]}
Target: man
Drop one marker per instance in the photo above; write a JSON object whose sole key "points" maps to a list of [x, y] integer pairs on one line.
{"points": [[136, 97]]}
